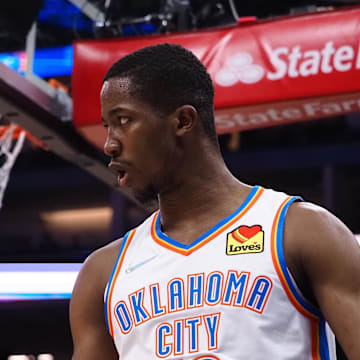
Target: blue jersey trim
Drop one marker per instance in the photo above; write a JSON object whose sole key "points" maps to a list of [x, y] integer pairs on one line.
{"points": [[173, 242], [323, 341], [107, 315], [280, 251]]}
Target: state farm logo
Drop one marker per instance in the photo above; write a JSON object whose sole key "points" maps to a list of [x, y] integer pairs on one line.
{"points": [[239, 67], [292, 62]]}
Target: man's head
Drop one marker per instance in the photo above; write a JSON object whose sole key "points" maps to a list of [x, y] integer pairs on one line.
{"points": [[167, 76], [157, 104]]}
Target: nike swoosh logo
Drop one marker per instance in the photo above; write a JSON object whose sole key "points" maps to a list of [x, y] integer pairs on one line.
{"points": [[134, 267]]}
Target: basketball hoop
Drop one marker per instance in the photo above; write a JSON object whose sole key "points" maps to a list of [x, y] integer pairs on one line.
{"points": [[17, 131], [8, 154]]}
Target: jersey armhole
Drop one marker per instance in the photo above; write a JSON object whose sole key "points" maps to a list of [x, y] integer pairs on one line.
{"points": [[293, 292], [110, 285], [320, 333]]}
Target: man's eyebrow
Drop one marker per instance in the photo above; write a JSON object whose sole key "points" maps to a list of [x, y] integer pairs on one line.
{"points": [[118, 108], [114, 111]]}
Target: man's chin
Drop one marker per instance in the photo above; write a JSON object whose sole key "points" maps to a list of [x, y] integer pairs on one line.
{"points": [[147, 199]]}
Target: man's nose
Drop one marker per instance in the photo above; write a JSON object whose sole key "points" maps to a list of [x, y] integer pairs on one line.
{"points": [[112, 146]]}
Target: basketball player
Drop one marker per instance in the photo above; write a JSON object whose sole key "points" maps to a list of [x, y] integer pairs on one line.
{"points": [[224, 271]]}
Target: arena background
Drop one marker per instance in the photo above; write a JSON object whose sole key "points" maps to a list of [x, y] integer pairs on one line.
{"points": [[56, 211]]}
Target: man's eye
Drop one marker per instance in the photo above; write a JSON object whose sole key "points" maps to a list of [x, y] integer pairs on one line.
{"points": [[123, 120]]}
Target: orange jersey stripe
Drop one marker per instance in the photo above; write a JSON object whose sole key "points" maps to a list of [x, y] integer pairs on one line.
{"points": [[315, 341], [115, 275], [211, 236], [278, 268]]}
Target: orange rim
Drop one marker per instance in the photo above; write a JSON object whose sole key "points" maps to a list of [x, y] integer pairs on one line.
{"points": [[29, 136]]}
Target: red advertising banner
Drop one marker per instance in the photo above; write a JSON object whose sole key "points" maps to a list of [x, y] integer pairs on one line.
{"points": [[277, 113], [265, 73]]}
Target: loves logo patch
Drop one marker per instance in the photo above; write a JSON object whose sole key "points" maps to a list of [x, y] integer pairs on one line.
{"points": [[245, 240]]}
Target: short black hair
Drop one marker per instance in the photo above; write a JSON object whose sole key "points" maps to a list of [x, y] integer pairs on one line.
{"points": [[167, 76]]}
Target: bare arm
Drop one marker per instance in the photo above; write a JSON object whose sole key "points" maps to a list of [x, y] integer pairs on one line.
{"points": [[325, 258], [90, 336]]}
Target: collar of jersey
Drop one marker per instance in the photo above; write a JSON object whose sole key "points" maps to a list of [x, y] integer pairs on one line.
{"points": [[171, 244]]}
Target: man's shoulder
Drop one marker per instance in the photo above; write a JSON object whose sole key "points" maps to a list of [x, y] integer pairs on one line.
{"points": [[103, 259], [105, 252], [314, 234], [315, 243], [307, 219], [99, 264]]}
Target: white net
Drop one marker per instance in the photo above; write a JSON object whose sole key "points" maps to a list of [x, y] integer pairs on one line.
{"points": [[8, 155]]}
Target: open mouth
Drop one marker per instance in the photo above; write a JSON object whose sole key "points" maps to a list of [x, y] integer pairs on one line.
{"points": [[122, 178], [118, 169]]}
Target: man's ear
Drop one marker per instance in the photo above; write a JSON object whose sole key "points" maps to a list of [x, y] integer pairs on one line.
{"points": [[185, 118]]}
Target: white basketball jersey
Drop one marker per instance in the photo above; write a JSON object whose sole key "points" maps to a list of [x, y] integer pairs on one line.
{"points": [[226, 296]]}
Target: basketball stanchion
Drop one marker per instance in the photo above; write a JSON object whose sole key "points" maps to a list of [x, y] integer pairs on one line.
{"points": [[9, 151]]}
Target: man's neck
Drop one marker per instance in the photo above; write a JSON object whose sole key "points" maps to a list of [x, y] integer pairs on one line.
{"points": [[207, 192]]}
